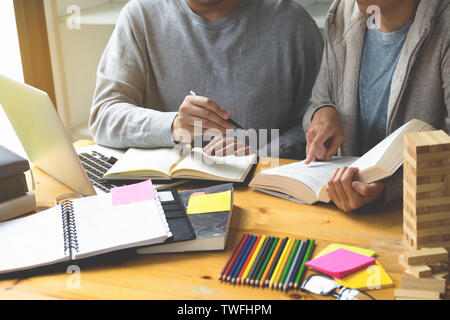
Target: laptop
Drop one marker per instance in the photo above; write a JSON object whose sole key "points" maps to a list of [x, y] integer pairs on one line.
{"points": [[48, 145]]}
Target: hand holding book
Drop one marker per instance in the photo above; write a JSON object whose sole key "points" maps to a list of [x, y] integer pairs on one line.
{"points": [[333, 180], [351, 195]]}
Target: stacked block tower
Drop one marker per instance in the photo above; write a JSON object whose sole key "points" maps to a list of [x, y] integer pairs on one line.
{"points": [[426, 190]]}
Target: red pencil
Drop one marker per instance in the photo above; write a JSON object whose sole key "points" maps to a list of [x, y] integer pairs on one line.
{"points": [[249, 257], [233, 258]]}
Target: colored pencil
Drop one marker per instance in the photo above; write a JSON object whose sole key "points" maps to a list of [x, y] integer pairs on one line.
{"points": [[233, 257], [276, 245], [288, 265], [295, 265], [241, 267], [307, 255], [300, 261], [283, 263], [266, 260], [258, 263], [274, 278], [240, 257], [248, 257], [275, 262], [254, 256]]}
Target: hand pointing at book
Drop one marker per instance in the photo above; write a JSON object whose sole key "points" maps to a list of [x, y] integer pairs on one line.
{"points": [[351, 195], [200, 112], [324, 136]]}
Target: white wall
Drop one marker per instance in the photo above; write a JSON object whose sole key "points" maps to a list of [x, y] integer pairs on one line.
{"points": [[10, 66]]}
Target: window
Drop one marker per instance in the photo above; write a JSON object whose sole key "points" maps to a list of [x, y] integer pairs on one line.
{"points": [[10, 66]]}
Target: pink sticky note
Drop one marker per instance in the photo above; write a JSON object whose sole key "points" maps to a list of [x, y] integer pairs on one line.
{"points": [[340, 263], [133, 193]]}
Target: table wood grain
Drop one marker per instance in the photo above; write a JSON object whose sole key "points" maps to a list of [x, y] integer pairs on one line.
{"points": [[194, 275]]}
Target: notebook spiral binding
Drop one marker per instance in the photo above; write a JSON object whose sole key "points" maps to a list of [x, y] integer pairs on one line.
{"points": [[162, 214], [69, 227]]}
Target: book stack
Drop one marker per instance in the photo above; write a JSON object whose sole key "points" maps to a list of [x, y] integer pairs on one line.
{"points": [[15, 198], [209, 211]]}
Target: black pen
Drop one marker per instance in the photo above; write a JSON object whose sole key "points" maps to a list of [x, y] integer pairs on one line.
{"points": [[234, 123]]}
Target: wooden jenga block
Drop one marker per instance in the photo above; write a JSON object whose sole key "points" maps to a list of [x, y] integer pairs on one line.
{"points": [[437, 267], [425, 284], [440, 276], [426, 255], [426, 181], [404, 294], [419, 271]]}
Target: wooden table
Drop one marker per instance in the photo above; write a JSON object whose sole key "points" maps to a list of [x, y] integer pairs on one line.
{"points": [[194, 275]]}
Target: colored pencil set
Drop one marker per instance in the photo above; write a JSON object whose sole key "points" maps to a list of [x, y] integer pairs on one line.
{"points": [[271, 262]]}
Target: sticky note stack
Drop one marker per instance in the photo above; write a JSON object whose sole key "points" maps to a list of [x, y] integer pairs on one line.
{"points": [[351, 267]]}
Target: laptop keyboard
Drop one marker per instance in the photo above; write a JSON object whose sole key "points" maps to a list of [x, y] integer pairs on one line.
{"points": [[96, 165]]}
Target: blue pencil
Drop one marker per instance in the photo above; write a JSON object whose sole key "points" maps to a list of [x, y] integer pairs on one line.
{"points": [[291, 275], [242, 259], [233, 269], [299, 263]]}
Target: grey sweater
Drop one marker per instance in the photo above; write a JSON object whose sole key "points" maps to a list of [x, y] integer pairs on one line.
{"points": [[420, 85], [259, 63]]}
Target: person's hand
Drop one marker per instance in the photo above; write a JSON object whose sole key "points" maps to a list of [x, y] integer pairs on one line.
{"points": [[350, 195], [223, 146], [324, 135], [196, 111]]}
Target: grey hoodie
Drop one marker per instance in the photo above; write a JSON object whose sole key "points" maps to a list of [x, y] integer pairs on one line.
{"points": [[420, 85]]}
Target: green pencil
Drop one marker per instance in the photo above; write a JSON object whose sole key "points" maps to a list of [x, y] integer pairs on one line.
{"points": [[289, 263], [264, 266], [300, 272]]}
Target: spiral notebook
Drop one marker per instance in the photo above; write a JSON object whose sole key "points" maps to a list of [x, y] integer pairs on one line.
{"points": [[79, 229]]}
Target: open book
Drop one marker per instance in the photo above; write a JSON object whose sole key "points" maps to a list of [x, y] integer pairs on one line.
{"points": [[78, 229], [177, 163], [306, 183]]}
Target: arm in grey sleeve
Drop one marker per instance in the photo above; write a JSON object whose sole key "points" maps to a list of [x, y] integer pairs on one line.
{"points": [[446, 83], [322, 93], [394, 185], [117, 117], [292, 142]]}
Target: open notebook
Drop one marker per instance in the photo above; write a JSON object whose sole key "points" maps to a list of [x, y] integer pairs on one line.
{"points": [[78, 229], [176, 163], [306, 183]]}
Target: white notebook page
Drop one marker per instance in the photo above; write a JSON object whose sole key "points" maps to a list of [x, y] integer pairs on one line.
{"points": [[230, 167], [102, 227], [161, 160], [32, 241]]}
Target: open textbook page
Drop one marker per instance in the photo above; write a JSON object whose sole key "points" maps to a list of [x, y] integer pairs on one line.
{"points": [[301, 181]]}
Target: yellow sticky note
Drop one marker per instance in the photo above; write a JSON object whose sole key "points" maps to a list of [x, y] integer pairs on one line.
{"points": [[214, 202], [372, 277], [335, 246]]}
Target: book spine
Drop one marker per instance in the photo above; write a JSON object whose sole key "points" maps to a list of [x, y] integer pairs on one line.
{"points": [[69, 228], [162, 214], [18, 206]]}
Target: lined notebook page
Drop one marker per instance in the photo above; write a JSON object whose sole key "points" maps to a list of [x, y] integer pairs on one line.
{"points": [[102, 227], [229, 167], [32, 241]]}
